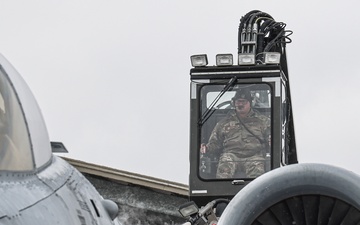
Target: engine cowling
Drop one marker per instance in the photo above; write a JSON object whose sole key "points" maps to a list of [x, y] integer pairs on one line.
{"points": [[306, 194]]}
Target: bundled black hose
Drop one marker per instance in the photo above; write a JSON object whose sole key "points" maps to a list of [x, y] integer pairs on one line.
{"points": [[267, 21], [242, 28], [259, 32], [248, 29]]}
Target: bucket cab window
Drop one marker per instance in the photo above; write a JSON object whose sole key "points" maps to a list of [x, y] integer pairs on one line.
{"points": [[15, 148], [235, 131]]}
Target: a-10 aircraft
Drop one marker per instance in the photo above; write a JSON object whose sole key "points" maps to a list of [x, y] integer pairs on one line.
{"points": [[36, 186]]}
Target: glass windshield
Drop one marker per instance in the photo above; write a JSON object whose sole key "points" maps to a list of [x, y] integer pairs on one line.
{"points": [[15, 149], [236, 134]]}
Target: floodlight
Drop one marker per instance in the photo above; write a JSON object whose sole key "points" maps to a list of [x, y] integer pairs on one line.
{"points": [[199, 60], [188, 209], [272, 57], [246, 59], [224, 59]]}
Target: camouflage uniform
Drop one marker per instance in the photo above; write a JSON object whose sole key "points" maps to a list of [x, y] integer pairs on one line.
{"points": [[242, 153]]}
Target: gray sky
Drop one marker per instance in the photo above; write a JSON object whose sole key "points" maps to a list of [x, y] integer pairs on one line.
{"points": [[112, 77]]}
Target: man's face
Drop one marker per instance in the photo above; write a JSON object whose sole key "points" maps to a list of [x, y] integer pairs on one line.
{"points": [[242, 106]]}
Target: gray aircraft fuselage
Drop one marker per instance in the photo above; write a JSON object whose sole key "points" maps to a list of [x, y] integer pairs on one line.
{"points": [[36, 186]]}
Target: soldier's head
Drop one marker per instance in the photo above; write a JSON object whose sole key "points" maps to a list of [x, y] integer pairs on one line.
{"points": [[242, 101]]}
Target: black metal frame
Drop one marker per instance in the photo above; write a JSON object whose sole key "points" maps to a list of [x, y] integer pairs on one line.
{"points": [[202, 190]]}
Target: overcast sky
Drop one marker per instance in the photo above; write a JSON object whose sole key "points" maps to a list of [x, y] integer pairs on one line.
{"points": [[112, 77]]}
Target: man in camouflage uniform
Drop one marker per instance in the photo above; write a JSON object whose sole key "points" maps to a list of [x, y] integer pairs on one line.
{"points": [[242, 138]]}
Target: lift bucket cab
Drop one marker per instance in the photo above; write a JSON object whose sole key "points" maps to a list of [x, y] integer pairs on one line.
{"points": [[242, 141], [211, 102], [261, 70]]}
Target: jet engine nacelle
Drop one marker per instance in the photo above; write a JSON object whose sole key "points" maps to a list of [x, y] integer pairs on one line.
{"points": [[304, 194]]}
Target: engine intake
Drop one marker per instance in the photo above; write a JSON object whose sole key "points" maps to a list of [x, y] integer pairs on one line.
{"points": [[306, 194]]}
